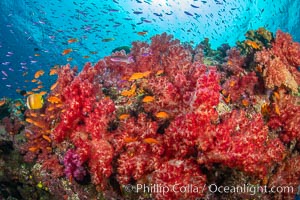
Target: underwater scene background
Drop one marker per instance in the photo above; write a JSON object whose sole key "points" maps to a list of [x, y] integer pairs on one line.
{"points": [[149, 99]]}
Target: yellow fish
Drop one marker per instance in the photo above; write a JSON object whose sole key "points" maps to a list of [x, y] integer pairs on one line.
{"points": [[35, 101], [148, 99], [139, 75], [162, 115]]}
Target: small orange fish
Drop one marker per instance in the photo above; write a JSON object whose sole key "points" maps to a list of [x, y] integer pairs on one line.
{"points": [[159, 72], [227, 99], [276, 96], [43, 93], [2, 102], [276, 109], [85, 56], [151, 141], [40, 86], [162, 115], [72, 40], [142, 33], [29, 120], [47, 138], [34, 80], [37, 54], [69, 59], [265, 109], [130, 139], [39, 73], [245, 102], [54, 99], [129, 93], [124, 116], [18, 103], [93, 52], [52, 72], [66, 51], [33, 149], [139, 75], [35, 89], [252, 44], [53, 86], [33, 114], [148, 99]]}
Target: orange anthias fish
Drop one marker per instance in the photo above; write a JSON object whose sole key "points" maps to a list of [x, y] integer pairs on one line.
{"points": [[52, 72], [47, 138], [72, 40], [124, 116], [66, 51], [54, 99], [252, 44], [148, 99], [129, 93], [151, 141], [162, 115], [139, 75], [130, 139], [53, 86], [142, 33], [2, 102]]}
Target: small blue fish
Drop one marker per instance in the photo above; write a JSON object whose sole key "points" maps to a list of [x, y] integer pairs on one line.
{"points": [[187, 13], [194, 6]]}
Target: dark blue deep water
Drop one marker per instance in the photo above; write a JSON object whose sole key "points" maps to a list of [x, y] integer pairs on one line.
{"points": [[33, 34]]}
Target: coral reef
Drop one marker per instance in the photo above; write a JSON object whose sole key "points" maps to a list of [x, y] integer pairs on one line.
{"points": [[167, 116]]}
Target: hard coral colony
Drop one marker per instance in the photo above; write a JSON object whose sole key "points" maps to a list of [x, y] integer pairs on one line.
{"points": [[168, 119]]}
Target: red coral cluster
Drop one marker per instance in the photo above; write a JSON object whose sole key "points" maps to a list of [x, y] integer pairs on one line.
{"points": [[156, 120], [280, 63]]}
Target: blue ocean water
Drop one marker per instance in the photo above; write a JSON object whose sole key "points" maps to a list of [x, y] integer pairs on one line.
{"points": [[34, 33]]}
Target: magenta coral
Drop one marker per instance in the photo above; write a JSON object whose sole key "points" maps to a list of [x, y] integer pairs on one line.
{"points": [[73, 166]]}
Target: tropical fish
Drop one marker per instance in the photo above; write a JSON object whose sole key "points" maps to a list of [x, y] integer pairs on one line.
{"points": [[39, 73], [130, 139], [159, 72], [2, 101], [35, 101], [151, 141], [46, 138], [124, 116], [72, 40], [54, 99], [148, 99], [108, 39], [53, 71], [129, 93], [252, 44], [54, 86], [142, 33], [162, 115], [43, 93], [125, 59], [139, 75], [66, 51]]}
